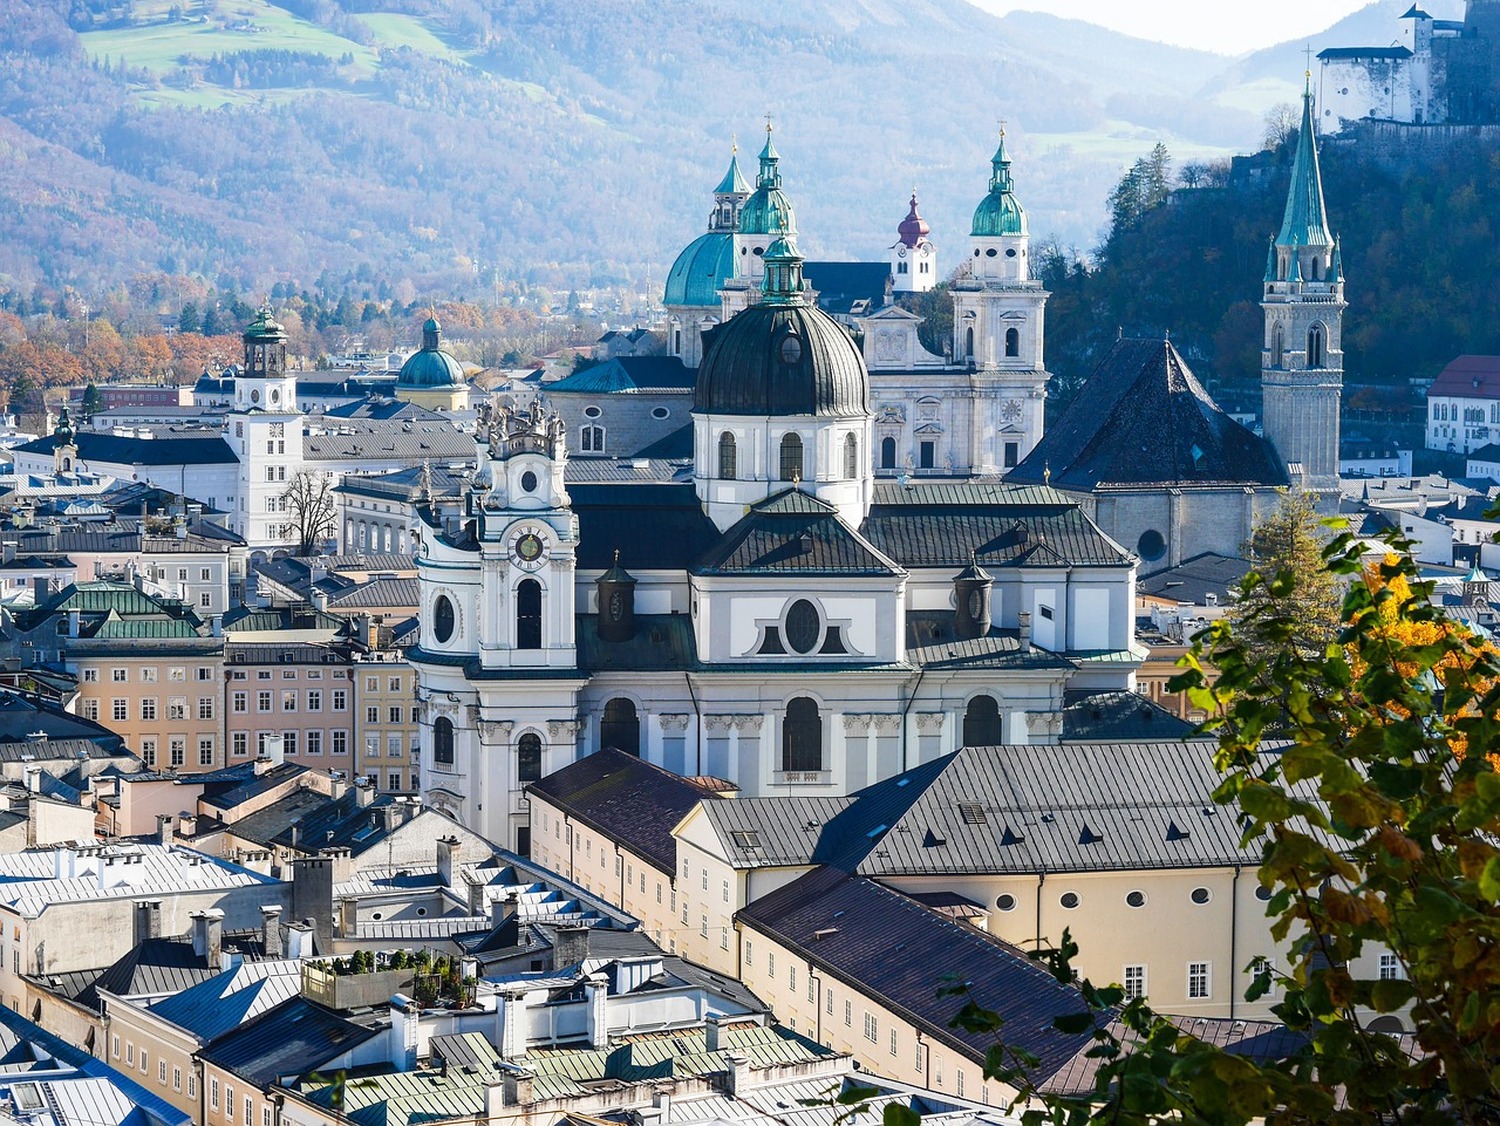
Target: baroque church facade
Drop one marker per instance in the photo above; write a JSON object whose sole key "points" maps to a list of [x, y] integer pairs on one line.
{"points": [[874, 554]]}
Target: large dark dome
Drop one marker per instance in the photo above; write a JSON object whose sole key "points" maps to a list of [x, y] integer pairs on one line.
{"points": [[782, 359]]}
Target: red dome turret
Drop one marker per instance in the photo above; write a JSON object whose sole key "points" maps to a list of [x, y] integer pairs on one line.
{"points": [[913, 228]]}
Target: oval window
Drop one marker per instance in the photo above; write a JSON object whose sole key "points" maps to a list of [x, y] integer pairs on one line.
{"points": [[528, 482], [1201, 896], [592, 412], [1151, 546], [990, 253], [791, 350], [802, 626], [1136, 899], [443, 618], [1006, 902], [976, 605], [1011, 253], [758, 251], [660, 412], [1069, 900], [275, 396], [1263, 894]]}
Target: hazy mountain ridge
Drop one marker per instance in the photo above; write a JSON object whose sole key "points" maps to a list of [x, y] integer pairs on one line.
{"points": [[556, 143]]}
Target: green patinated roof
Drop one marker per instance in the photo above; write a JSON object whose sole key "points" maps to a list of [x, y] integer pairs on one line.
{"points": [[768, 211], [701, 270], [265, 327], [431, 367], [999, 213], [1305, 222], [734, 182]]}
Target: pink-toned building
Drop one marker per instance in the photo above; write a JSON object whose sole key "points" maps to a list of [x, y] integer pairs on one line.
{"points": [[302, 691]]}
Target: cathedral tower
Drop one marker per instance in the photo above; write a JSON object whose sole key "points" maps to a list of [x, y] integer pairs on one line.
{"points": [[1302, 361], [265, 431], [913, 258]]}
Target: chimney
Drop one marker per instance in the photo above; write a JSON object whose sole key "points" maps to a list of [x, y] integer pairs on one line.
{"points": [[74, 619], [713, 1032], [348, 917], [474, 894], [518, 1087], [41, 589], [364, 792], [187, 823], [147, 919], [596, 996], [275, 749], [404, 1017], [8, 551], [338, 784], [33, 779], [270, 930], [1024, 618], [515, 1023], [312, 895], [570, 946], [448, 849], [299, 940], [739, 1076], [208, 936], [504, 909], [216, 625], [165, 833]]}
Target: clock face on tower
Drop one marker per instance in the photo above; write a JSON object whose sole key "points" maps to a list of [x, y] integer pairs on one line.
{"points": [[528, 548]]}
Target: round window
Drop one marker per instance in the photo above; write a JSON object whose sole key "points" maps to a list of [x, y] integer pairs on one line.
{"points": [[1069, 900], [791, 350], [1201, 896], [1136, 899], [1151, 546], [421, 911], [1006, 902], [990, 253], [255, 396], [377, 916], [758, 251], [443, 618], [660, 412], [275, 396], [1263, 894], [592, 412], [802, 626], [1011, 253], [528, 482]]}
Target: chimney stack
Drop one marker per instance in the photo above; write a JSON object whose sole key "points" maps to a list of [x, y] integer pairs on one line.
{"points": [[165, 833], [570, 946], [270, 930], [448, 849], [596, 996], [147, 919], [1025, 620], [299, 940], [208, 936], [364, 792], [404, 1017]]}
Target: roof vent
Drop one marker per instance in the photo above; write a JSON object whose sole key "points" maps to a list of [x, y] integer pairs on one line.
{"points": [[1010, 837], [972, 812], [933, 840], [1176, 834], [1087, 836], [1048, 818]]}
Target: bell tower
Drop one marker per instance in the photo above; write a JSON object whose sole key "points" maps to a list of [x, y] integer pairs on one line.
{"points": [[1302, 360]]}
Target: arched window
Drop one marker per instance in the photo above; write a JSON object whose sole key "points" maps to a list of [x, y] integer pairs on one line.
{"points": [[791, 457], [982, 722], [728, 457], [851, 457], [1012, 342], [591, 439], [887, 453], [1316, 346], [529, 614], [529, 757], [969, 342], [802, 736], [621, 727], [442, 741], [1278, 347]]}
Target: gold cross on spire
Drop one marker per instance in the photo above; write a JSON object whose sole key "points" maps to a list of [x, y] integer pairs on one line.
{"points": [[1002, 128], [768, 123], [734, 143]]}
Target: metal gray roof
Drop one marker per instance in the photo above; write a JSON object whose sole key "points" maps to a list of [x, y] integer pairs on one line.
{"points": [[794, 533], [1068, 808]]}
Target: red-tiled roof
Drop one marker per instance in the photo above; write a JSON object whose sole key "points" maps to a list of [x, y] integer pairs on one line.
{"points": [[1468, 377]]}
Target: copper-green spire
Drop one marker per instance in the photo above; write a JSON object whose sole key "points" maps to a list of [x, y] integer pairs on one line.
{"points": [[1305, 223], [1000, 168], [770, 175], [734, 182], [1271, 258], [999, 213], [1336, 269]]}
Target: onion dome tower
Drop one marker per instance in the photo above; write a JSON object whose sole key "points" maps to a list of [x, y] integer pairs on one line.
{"points": [[782, 400], [431, 377], [913, 257], [1302, 362]]}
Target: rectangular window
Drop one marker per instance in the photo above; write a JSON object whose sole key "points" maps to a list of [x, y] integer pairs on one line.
{"points": [[240, 702], [1390, 968], [289, 700], [828, 1002], [118, 676], [263, 701], [289, 742], [161, 1072], [393, 744], [213, 1093], [91, 709], [229, 1101], [340, 699], [120, 708], [372, 713], [893, 1041], [926, 455], [178, 674], [148, 751], [314, 742], [249, 1112], [1135, 982], [394, 780], [205, 600], [395, 714], [241, 743], [340, 743], [177, 1079], [771, 964], [1198, 983], [703, 926], [177, 707], [314, 699], [91, 676], [394, 684], [205, 575], [148, 708], [148, 675], [179, 751], [205, 707], [206, 750], [129, 1055], [848, 1012], [1012, 454], [791, 979]]}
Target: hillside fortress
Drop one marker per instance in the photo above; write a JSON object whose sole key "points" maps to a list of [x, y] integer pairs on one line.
{"points": [[1433, 72]]}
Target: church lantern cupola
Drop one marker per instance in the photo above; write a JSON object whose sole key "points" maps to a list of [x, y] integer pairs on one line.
{"points": [[971, 601], [616, 591], [913, 257], [265, 347]]}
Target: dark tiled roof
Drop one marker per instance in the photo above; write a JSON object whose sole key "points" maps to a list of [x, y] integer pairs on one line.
{"points": [[794, 533], [320, 821], [1144, 419], [1114, 717], [629, 800], [625, 375], [21, 715], [292, 1039], [931, 643], [1193, 579], [155, 966], [383, 410], [1015, 809], [655, 527], [677, 445], [900, 953], [661, 642], [840, 285], [255, 784], [164, 449]]}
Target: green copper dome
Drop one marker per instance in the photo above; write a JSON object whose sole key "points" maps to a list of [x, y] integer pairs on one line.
{"points": [[734, 182], [431, 367], [768, 211], [701, 270], [999, 213], [264, 327]]}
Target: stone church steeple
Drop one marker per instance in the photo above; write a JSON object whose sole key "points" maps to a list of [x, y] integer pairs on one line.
{"points": [[1302, 361]]}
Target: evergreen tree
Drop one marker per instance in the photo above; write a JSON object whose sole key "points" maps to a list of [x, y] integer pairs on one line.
{"points": [[1291, 600], [188, 320]]}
